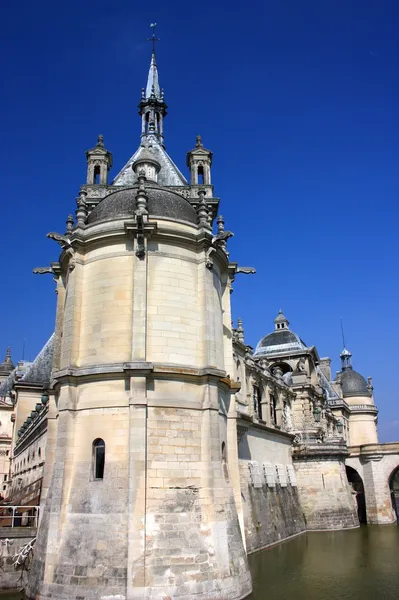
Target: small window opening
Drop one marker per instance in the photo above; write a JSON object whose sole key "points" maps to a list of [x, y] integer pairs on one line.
{"points": [[96, 175], [273, 411], [200, 175], [257, 401], [39, 453], [224, 462], [98, 458], [5, 476]]}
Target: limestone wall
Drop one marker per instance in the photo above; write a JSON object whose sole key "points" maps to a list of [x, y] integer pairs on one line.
{"points": [[270, 503], [325, 494], [11, 541]]}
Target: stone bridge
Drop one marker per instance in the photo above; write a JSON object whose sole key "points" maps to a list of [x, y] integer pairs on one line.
{"points": [[376, 465]]}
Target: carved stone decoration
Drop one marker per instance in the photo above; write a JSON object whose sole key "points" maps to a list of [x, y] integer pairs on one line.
{"points": [[43, 270], [140, 248], [209, 259], [246, 270], [141, 196], [202, 210]]}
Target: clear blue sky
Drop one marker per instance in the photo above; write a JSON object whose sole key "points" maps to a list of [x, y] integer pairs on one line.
{"points": [[299, 103]]}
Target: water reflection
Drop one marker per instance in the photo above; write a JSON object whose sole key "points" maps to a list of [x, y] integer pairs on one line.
{"points": [[361, 564]]}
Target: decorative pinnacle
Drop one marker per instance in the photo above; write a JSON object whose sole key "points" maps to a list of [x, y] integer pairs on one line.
{"points": [[240, 331], [81, 212], [202, 210], [141, 196], [69, 225], [8, 353], [198, 143], [100, 141], [220, 223]]}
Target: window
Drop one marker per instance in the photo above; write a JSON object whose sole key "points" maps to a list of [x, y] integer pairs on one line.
{"points": [[273, 412], [201, 175], [257, 401], [39, 453], [5, 476], [224, 462], [96, 175], [98, 458]]}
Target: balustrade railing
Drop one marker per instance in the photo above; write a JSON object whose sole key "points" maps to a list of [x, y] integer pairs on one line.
{"points": [[19, 516]]}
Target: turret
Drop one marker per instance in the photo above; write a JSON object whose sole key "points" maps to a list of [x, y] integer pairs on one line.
{"points": [[199, 161], [99, 162]]}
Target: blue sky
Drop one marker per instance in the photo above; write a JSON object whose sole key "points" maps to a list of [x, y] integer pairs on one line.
{"points": [[299, 103]]}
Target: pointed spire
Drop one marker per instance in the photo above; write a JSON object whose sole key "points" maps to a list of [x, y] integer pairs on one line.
{"points": [[153, 90]]}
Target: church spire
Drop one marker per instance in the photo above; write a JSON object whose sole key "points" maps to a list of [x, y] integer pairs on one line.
{"points": [[153, 88], [152, 107]]}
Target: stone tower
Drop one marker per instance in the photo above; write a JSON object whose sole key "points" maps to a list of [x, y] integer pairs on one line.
{"points": [[140, 505]]}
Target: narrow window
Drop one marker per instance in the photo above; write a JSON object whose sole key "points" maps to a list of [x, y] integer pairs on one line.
{"points": [[224, 462], [200, 175], [40, 453], [273, 412], [257, 401], [96, 175], [5, 476], [98, 458]]}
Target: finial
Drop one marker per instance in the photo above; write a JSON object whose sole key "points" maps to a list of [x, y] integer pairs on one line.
{"points": [[81, 212], [198, 143], [141, 196], [220, 223], [69, 225], [162, 94], [202, 210], [153, 38], [240, 331], [143, 93], [100, 140]]}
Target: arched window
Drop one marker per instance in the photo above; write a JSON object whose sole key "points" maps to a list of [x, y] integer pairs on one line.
{"points": [[96, 179], [98, 458], [200, 175]]}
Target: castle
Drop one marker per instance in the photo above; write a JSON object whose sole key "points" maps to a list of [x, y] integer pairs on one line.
{"points": [[160, 447]]}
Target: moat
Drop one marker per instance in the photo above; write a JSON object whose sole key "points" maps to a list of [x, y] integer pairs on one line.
{"points": [[361, 564]]}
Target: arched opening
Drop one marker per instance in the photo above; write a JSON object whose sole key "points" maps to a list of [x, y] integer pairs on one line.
{"points": [[394, 487], [200, 175], [356, 483], [147, 121], [96, 175], [283, 366], [98, 458]]}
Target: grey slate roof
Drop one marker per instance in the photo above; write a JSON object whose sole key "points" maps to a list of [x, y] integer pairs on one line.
{"points": [[353, 384], [279, 341], [168, 175], [161, 203], [40, 370]]}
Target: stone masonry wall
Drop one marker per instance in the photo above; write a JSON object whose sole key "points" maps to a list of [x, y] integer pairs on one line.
{"points": [[325, 494], [11, 542], [271, 514]]}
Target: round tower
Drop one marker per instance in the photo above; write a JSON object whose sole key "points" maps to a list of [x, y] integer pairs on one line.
{"points": [[140, 505]]}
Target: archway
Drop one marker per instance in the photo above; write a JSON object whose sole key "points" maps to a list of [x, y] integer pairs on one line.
{"points": [[356, 484], [394, 488]]}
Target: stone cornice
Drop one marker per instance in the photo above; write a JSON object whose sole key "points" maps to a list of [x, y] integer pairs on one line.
{"points": [[104, 371]]}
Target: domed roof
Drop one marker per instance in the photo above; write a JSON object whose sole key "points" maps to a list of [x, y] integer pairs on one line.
{"points": [[353, 384], [161, 203], [282, 340], [7, 366]]}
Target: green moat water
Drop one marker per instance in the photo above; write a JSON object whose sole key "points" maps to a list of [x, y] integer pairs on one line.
{"points": [[362, 564]]}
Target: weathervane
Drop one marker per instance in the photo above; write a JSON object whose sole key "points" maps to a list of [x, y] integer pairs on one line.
{"points": [[153, 38]]}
